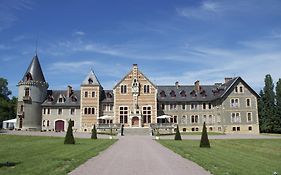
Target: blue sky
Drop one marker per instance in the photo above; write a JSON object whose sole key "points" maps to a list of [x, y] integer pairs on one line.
{"points": [[170, 40]]}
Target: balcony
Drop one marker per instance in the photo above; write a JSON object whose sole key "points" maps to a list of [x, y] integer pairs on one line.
{"points": [[26, 98]]}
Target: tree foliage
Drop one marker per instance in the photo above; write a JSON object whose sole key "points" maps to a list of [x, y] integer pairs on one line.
{"points": [[8, 107], [269, 107], [204, 138], [94, 133], [69, 138], [178, 134]]}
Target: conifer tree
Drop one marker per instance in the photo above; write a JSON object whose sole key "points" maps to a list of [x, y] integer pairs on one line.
{"points": [[94, 133], [204, 143], [69, 138], [277, 119], [269, 105], [178, 135]]}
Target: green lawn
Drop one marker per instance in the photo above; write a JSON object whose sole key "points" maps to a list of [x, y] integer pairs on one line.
{"points": [[200, 133], [232, 157], [46, 155]]}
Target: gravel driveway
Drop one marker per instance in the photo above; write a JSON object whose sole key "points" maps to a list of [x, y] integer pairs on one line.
{"points": [[138, 155]]}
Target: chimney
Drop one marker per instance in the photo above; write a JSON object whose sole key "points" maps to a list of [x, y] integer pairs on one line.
{"points": [[177, 84], [197, 86], [227, 79], [69, 91]]}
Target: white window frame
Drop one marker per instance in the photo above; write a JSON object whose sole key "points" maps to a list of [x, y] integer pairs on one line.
{"points": [[250, 101], [234, 105], [251, 115]]}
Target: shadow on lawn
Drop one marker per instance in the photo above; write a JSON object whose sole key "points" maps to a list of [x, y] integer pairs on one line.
{"points": [[9, 164]]}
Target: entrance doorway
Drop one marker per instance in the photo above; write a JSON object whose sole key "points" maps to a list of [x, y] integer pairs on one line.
{"points": [[135, 122], [59, 125]]}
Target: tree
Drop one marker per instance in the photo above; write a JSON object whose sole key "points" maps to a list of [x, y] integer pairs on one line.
{"points": [[94, 133], [204, 143], [277, 119], [178, 135], [8, 107], [4, 91], [69, 138], [268, 102]]}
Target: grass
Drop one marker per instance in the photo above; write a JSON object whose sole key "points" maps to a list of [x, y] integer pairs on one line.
{"points": [[46, 155], [232, 157]]}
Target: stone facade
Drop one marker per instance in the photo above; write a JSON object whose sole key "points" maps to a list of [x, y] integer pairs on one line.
{"points": [[229, 107]]}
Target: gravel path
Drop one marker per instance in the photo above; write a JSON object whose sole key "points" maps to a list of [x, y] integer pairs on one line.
{"points": [[138, 155]]}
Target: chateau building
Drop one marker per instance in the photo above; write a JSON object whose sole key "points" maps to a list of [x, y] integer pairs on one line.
{"points": [[229, 107]]}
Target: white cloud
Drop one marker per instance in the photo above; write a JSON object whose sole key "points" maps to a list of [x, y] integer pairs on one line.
{"points": [[79, 33]]}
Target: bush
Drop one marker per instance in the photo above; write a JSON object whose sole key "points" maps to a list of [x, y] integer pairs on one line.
{"points": [[204, 143], [94, 133], [178, 135], [69, 138]]}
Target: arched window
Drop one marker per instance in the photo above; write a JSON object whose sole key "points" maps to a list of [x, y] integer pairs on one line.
{"points": [[182, 93], [93, 110], [89, 110], [86, 94], [172, 93], [85, 111], [162, 94]]}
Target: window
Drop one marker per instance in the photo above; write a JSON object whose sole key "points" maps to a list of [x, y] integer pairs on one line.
{"points": [[184, 129], [183, 93], [60, 111], [93, 94], [194, 119], [174, 119], [233, 128], [210, 106], [204, 106], [123, 112], [86, 94], [146, 113], [72, 111], [193, 106], [204, 118], [90, 81], [211, 129], [173, 106], [219, 128], [163, 106], [250, 128], [235, 118], [248, 102], [89, 110], [44, 110], [21, 108], [183, 107], [238, 128], [196, 129], [162, 94], [234, 102], [172, 94], [236, 89], [48, 123], [61, 100], [146, 89], [241, 89], [43, 123], [249, 116], [27, 92], [123, 89]]}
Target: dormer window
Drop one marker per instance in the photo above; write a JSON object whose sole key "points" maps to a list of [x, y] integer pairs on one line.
{"points": [[50, 98], [28, 76], [182, 93], [193, 93], [90, 81], [108, 95], [172, 93], [74, 99], [162, 94], [61, 99], [203, 93]]}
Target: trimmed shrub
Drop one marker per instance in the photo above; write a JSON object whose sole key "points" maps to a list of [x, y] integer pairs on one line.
{"points": [[69, 138], [178, 134], [94, 133], [204, 143]]}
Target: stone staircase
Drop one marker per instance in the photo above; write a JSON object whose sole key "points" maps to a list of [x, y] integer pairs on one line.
{"points": [[137, 131]]}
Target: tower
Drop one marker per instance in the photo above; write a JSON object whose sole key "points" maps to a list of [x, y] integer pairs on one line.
{"points": [[32, 91], [90, 101]]}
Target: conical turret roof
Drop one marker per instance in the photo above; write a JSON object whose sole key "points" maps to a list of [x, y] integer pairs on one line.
{"points": [[35, 71], [91, 79]]}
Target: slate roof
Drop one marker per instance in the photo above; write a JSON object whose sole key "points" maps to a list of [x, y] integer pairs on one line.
{"points": [[35, 70], [69, 101], [187, 93], [107, 96], [93, 77]]}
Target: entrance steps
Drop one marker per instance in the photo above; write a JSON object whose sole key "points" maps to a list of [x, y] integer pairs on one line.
{"points": [[137, 131]]}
